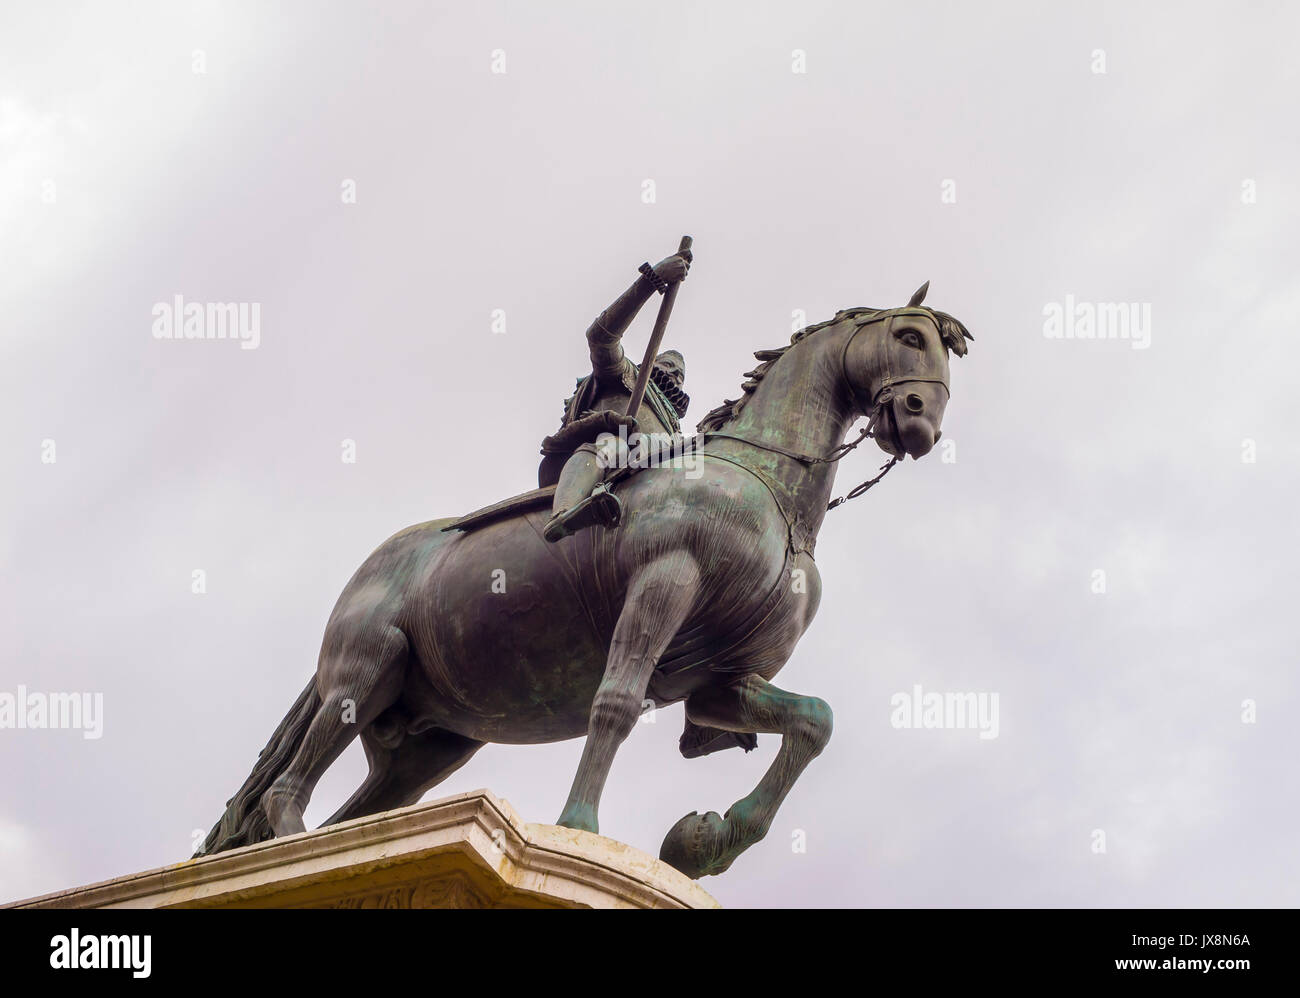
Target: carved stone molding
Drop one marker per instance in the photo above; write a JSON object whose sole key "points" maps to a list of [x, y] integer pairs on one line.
{"points": [[467, 851]]}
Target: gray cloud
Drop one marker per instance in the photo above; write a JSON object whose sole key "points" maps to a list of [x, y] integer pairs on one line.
{"points": [[812, 191]]}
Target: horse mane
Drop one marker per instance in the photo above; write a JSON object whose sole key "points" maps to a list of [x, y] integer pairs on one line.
{"points": [[951, 332]]}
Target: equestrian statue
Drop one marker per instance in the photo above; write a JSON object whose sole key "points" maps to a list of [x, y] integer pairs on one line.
{"points": [[566, 610]]}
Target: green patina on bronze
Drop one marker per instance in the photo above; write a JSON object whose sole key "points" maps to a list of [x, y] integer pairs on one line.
{"points": [[447, 639]]}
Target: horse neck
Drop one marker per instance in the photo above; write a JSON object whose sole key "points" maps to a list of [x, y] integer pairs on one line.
{"points": [[802, 405]]}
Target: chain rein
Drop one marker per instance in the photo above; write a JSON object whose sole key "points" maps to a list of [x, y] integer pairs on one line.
{"points": [[867, 432], [883, 398], [843, 449]]}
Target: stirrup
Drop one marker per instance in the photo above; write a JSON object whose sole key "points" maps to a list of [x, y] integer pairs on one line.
{"points": [[602, 508]]}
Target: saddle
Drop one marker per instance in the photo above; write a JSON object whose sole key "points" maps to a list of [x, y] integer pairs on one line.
{"points": [[522, 503]]}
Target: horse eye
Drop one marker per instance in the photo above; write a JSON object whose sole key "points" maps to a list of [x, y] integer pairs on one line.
{"points": [[911, 338]]}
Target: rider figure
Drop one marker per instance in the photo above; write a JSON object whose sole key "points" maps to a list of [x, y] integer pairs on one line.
{"points": [[599, 404]]}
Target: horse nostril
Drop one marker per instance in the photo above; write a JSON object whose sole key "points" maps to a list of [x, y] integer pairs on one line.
{"points": [[914, 403]]}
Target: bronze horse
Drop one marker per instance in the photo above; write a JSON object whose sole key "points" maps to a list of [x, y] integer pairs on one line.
{"points": [[445, 640]]}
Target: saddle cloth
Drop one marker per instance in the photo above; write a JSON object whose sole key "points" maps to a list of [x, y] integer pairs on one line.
{"points": [[506, 507]]}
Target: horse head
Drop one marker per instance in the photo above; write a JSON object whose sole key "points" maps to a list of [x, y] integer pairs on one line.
{"points": [[896, 367]]}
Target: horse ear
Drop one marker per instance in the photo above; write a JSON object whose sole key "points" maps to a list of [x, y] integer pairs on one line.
{"points": [[919, 296]]}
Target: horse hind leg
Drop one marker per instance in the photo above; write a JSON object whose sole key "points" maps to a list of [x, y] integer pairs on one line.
{"points": [[401, 774], [360, 675]]}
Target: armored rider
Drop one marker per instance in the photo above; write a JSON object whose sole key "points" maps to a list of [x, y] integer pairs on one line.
{"points": [[570, 459]]}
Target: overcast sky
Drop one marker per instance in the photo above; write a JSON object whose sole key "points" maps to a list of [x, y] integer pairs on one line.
{"points": [[1114, 155]]}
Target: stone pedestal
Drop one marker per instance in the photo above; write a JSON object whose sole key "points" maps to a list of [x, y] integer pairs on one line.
{"points": [[467, 851]]}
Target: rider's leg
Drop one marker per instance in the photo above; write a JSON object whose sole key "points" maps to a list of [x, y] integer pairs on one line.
{"points": [[581, 474], [580, 500]]}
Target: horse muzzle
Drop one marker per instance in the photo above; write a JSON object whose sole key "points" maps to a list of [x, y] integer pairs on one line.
{"points": [[911, 419]]}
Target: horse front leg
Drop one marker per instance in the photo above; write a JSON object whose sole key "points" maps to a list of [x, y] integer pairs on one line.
{"points": [[659, 600], [703, 845]]}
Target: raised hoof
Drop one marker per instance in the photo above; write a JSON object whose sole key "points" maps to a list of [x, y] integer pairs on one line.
{"points": [[695, 845]]}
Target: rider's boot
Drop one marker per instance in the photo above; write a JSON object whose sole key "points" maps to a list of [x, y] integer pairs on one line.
{"points": [[601, 508]]}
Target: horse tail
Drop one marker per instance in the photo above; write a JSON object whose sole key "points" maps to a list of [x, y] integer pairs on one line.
{"points": [[245, 821]]}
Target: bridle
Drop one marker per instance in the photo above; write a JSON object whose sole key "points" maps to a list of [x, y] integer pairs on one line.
{"points": [[884, 396]]}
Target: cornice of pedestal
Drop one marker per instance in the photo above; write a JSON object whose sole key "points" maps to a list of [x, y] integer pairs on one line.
{"points": [[467, 851]]}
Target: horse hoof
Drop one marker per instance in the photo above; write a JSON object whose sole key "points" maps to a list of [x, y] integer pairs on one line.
{"points": [[694, 845], [287, 822], [581, 817], [284, 817]]}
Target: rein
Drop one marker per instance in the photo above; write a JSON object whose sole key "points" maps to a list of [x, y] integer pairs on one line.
{"points": [[886, 395], [883, 398]]}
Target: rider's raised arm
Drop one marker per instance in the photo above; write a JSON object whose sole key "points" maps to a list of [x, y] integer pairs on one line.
{"points": [[604, 336]]}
